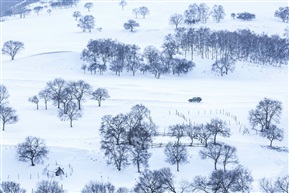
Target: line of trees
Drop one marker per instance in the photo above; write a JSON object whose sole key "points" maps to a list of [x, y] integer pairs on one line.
{"points": [[68, 97], [238, 179], [242, 45], [99, 53]]}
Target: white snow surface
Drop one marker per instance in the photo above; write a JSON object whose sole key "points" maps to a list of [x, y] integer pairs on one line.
{"points": [[52, 49]]}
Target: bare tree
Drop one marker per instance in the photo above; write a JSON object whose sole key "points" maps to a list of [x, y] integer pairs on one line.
{"points": [[273, 133], [7, 116], [140, 156], [135, 12], [100, 95], [213, 151], [143, 11], [37, 9], [156, 181], [218, 127], [178, 131], [122, 3], [79, 90], [12, 48], [11, 187], [4, 95], [72, 113], [267, 112], [176, 153], [130, 25], [56, 87], [88, 6], [76, 15], [33, 149], [48, 187], [218, 13], [98, 187], [176, 19], [267, 185], [86, 23], [224, 65], [34, 99], [46, 95], [282, 184], [229, 155]]}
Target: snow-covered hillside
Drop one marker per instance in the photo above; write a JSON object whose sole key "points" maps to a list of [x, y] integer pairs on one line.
{"points": [[53, 44]]}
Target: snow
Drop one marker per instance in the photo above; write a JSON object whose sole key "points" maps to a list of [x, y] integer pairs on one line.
{"points": [[52, 49]]}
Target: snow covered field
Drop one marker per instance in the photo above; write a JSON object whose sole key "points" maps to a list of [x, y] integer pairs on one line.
{"points": [[52, 49]]}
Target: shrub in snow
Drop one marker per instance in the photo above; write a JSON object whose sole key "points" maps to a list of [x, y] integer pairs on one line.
{"points": [[33, 149], [246, 16]]}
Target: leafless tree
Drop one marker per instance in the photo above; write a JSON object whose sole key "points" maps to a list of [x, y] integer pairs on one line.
{"points": [[176, 153], [88, 6], [4, 95], [268, 111], [229, 155], [33, 149], [95, 187], [46, 95], [34, 99], [176, 19], [213, 151], [12, 48], [100, 95], [218, 127], [273, 133], [71, 113], [7, 116]]}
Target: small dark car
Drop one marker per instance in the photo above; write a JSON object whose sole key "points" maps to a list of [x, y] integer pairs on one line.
{"points": [[195, 100]]}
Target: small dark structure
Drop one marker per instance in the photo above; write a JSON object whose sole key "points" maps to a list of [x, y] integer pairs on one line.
{"points": [[59, 172], [195, 100]]}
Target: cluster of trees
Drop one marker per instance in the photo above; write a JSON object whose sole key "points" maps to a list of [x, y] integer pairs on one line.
{"points": [[121, 56], [176, 152], [264, 117], [126, 138], [86, 22], [44, 186], [201, 13], [279, 184], [68, 97], [243, 45], [283, 13], [7, 113], [143, 11], [162, 180]]}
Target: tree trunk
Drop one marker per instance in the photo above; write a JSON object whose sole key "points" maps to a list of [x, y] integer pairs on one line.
{"points": [[216, 164], [178, 167], [70, 122], [32, 162], [46, 105], [79, 105], [138, 167], [3, 125], [37, 106], [271, 141], [99, 103]]}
